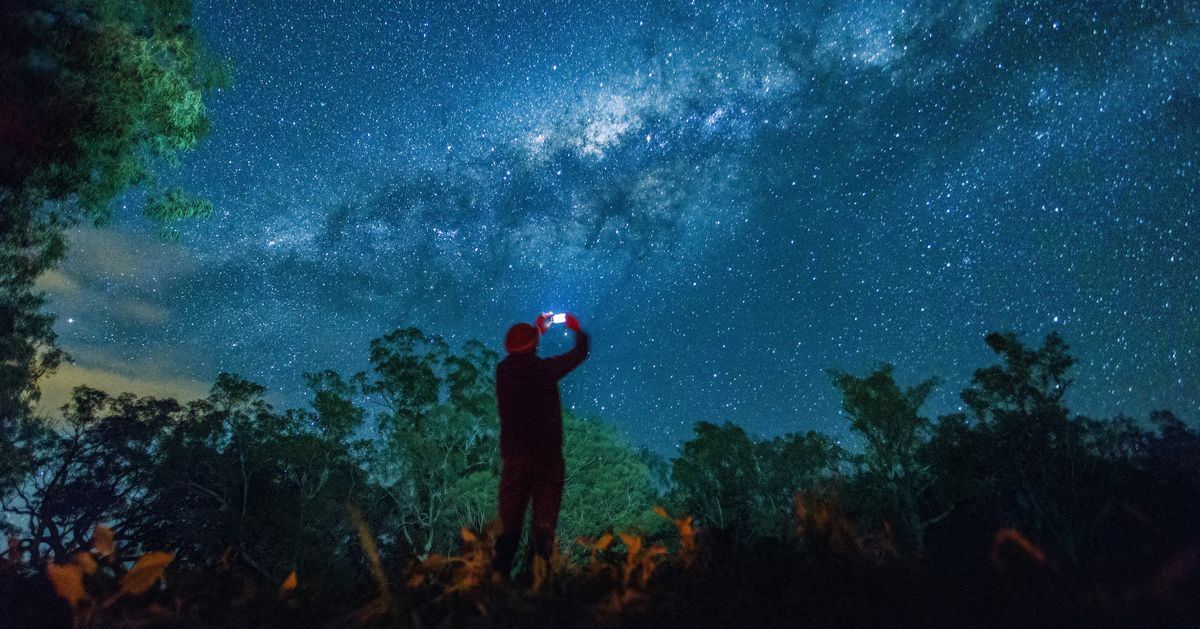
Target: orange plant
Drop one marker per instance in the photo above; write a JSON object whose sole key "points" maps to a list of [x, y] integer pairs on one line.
{"points": [[635, 571], [468, 573], [596, 547], [687, 534], [821, 521], [1009, 539], [83, 581]]}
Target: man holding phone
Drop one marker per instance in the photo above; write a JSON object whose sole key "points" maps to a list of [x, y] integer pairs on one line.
{"points": [[531, 458]]}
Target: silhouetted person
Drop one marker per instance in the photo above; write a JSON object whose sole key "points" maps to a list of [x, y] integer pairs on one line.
{"points": [[531, 437]]}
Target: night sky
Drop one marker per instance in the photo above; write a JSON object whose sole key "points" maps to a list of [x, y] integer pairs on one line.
{"points": [[734, 198]]}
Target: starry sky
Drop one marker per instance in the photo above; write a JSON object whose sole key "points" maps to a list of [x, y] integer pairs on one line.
{"points": [[733, 197]]}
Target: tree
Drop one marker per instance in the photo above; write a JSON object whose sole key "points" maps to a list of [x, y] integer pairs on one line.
{"points": [[1019, 453], [97, 469], [894, 479], [98, 96], [793, 463], [439, 427], [733, 483], [274, 487], [660, 470], [219, 470], [715, 478], [607, 484], [334, 413], [439, 459]]}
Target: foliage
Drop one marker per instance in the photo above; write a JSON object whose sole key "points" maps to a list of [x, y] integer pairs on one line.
{"points": [[1020, 455], [264, 512], [607, 485], [96, 469], [92, 582], [262, 483], [439, 460], [28, 347], [894, 479], [98, 96], [729, 481], [439, 435], [100, 93]]}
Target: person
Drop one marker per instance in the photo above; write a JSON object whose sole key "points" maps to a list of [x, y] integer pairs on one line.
{"points": [[531, 459]]}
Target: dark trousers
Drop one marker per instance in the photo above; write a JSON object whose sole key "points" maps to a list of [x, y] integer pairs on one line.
{"points": [[523, 479]]}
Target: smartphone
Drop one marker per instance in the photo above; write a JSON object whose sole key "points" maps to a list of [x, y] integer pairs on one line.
{"points": [[559, 318]]}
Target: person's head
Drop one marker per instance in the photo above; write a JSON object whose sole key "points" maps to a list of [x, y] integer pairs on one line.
{"points": [[522, 338]]}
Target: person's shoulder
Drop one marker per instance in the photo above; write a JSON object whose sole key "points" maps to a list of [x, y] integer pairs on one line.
{"points": [[518, 361]]}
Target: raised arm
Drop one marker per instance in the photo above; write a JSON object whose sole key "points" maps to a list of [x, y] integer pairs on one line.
{"points": [[562, 364]]}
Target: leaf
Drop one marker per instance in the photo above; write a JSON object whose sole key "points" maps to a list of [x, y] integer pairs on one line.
{"points": [[14, 551], [288, 584], [85, 561], [541, 570], [104, 540], [68, 583], [148, 569], [662, 513], [436, 562]]}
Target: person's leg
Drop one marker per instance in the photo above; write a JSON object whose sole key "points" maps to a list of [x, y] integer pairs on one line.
{"points": [[547, 498], [515, 487]]}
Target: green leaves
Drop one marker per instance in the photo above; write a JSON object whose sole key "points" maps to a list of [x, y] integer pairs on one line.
{"points": [[887, 417], [172, 206], [607, 483], [99, 97], [732, 481], [335, 411], [127, 94]]}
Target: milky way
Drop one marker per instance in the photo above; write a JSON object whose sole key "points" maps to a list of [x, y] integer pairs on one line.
{"points": [[734, 198]]}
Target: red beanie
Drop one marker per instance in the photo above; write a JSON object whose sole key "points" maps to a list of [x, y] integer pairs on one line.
{"points": [[522, 338]]}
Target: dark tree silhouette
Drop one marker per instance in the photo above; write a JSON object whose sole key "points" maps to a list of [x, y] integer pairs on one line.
{"points": [[895, 480]]}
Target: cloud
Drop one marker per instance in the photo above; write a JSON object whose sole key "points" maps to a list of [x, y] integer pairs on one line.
{"points": [[56, 388], [115, 279], [133, 255], [58, 284], [141, 312], [115, 297]]}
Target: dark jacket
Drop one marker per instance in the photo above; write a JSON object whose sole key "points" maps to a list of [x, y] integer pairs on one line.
{"points": [[527, 398]]}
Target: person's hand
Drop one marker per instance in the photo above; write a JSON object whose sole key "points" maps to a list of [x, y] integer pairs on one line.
{"points": [[543, 322], [573, 322]]}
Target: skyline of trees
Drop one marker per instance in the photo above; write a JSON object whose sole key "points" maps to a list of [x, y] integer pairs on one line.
{"points": [[413, 442]]}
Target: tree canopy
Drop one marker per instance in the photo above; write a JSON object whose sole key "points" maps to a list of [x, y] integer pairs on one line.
{"points": [[99, 97]]}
